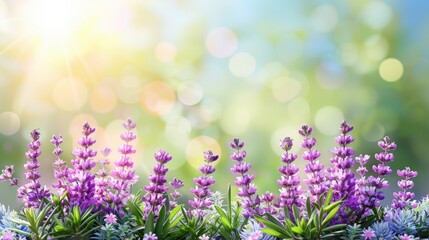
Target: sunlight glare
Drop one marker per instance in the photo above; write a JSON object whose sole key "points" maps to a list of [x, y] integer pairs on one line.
{"points": [[55, 20]]}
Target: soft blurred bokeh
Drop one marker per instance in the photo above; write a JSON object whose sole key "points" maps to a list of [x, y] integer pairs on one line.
{"points": [[193, 74]]}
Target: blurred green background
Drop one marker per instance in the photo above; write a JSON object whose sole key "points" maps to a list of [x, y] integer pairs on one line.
{"points": [[194, 74]]}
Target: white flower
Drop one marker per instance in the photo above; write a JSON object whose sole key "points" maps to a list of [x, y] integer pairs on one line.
{"points": [[204, 237]]}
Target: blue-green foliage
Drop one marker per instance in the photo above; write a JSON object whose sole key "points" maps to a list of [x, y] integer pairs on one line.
{"points": [[353, 232], [382, 230], [401, 221], [5, 219]]}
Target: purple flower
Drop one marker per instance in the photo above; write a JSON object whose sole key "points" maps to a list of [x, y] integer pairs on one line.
{"points": [[7, 174], [150, 236], [7, 235], [176, 184], [316, 179], [243, 180], [373, 194], [110, 218], [340, 177], [290, 193], [123, 176], [368, 234], [61, 170], [82, 185], [102, 182], [154, 198], [402, 198], [32, 192], [267, 205], [202, 190]]}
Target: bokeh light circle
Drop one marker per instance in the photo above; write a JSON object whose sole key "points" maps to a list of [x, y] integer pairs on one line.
{"points": [[158, 98], [221, 42], [129, 89], [190, 93], [284, 89], [374, 132], [70, 94], [103, 99], [391, 70], [324, 18], [242, 64], [9, 123], [377, 14], [198, 145], [299, 110], [328, 119], [165, 52]]}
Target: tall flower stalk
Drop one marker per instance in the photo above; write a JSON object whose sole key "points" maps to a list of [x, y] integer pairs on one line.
{"points": [[402, 198], [373, 192], [341, 178], [290, 193], [244, 180], [316, 179], [102, 180], [82, 184], [154, 198], [32, 193], [123, 176], [176, 184], [202, 190], [61, 170]]}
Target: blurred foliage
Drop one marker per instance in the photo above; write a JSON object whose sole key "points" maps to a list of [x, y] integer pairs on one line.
{"points": [[193, 74]]}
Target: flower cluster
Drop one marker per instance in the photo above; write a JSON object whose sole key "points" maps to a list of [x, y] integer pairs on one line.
{"points": [[290, 193], [244, 180], [103, 200], [154, 198], [123, 176], [403, 197], [316, 179], [202, 190], [81, 178], [372, 192], [7, 174], [32, 192]]}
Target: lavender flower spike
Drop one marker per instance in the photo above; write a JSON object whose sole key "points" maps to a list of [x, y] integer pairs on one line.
{"points": [[290, 193], [61, 171], [402, 198], [244, 180], [32, 192], [123, 176], [372, 192], [176, 184], [7, 174], [82, 184], [154, 198], [340, 176], [202, 191], [102, 180], [316, 179]]}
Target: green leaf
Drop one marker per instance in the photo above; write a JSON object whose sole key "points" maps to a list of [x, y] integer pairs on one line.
{"points": [[229, 202], [223, 218], [271, 225], [332, 206], [328, 197], [149, 225], [330, 215], [296, 213], [297, 230], [308, 205], [161, 220], [335, 228], [274, 233]]}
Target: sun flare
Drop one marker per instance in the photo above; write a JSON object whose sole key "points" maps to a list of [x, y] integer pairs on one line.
{"points": [[56, 20]]}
